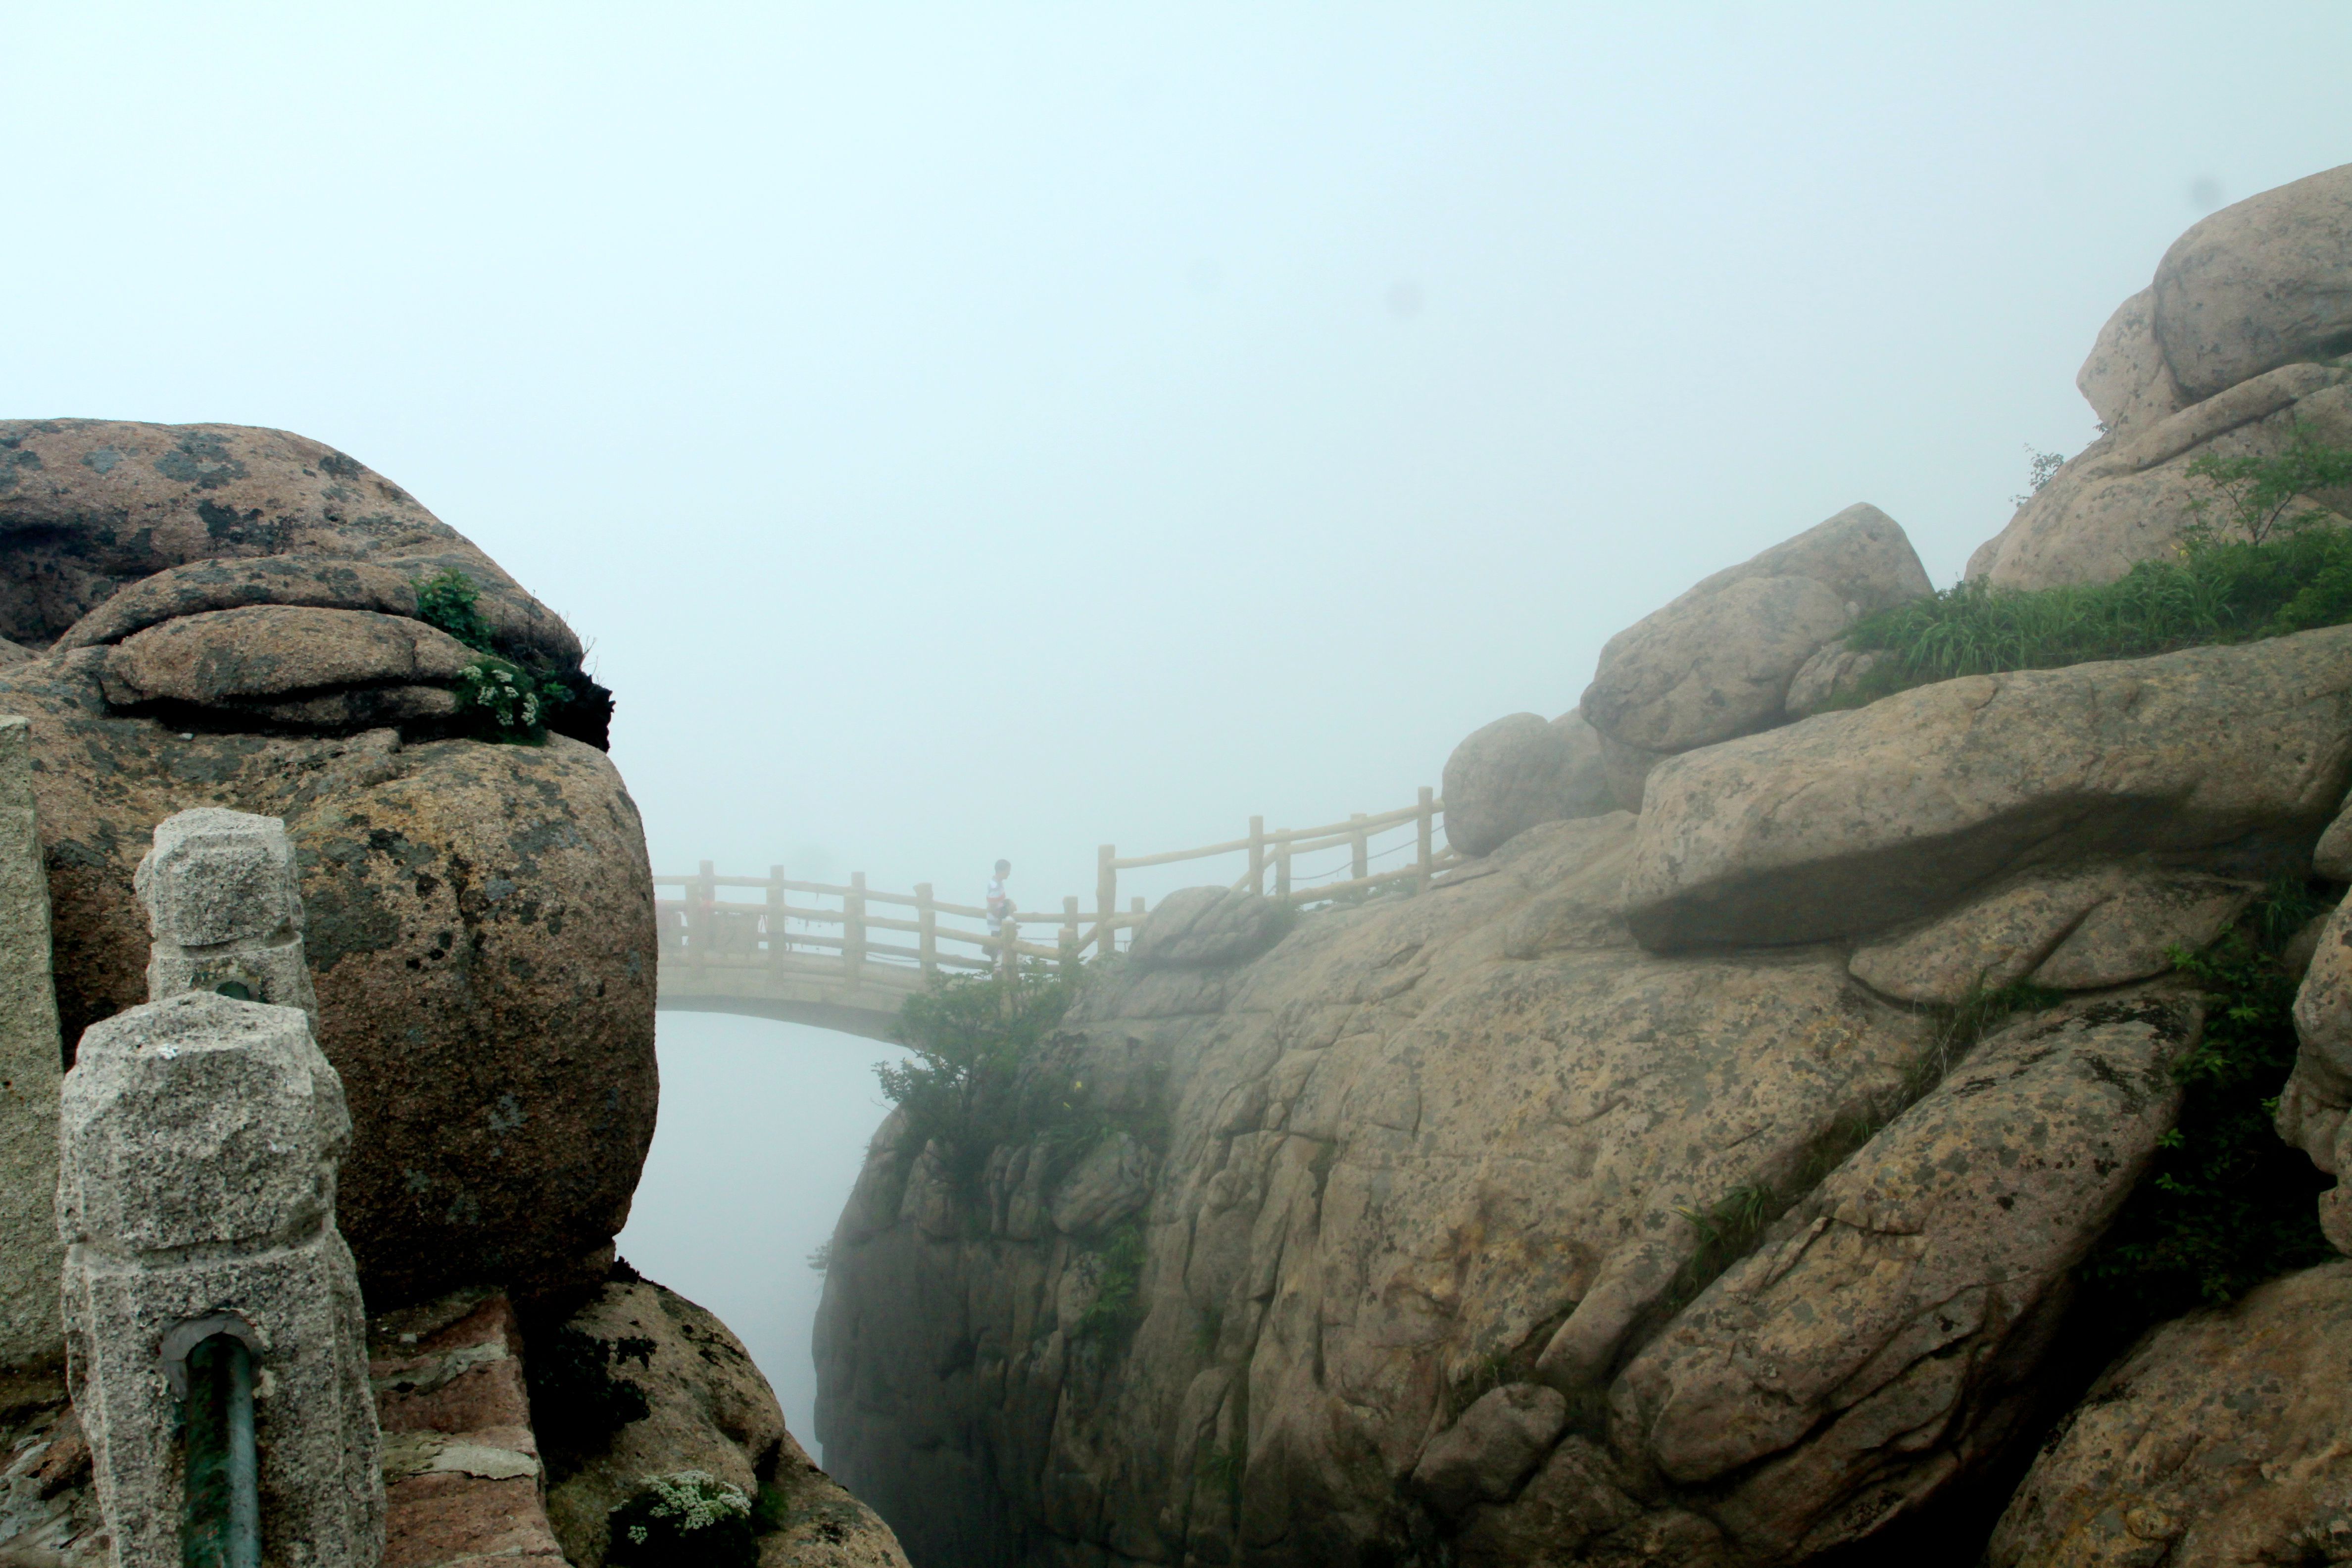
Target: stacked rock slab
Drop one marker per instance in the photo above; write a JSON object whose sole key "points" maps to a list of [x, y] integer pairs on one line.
{"points": [[30, 1069], [461, 1467]]}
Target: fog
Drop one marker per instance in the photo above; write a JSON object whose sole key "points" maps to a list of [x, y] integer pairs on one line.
{"points": [[1003, 430]]}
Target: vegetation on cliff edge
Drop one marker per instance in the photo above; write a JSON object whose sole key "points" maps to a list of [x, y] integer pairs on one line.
{"points": [[2271, 566], [2226, 1204]]}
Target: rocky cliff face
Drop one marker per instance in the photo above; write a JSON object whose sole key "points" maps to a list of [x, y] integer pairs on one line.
{"points": [[1656, 1188]]}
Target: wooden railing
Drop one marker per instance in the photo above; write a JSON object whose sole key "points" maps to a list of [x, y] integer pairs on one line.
{"points": [[831, 931]]}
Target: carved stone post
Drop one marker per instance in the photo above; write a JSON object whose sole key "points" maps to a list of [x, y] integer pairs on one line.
{"points": [[225, 910], [200, 1137]]}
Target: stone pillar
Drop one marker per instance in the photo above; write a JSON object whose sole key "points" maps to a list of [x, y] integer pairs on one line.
{"points": [[225, 910], [31, 1064], [200, 1137]]}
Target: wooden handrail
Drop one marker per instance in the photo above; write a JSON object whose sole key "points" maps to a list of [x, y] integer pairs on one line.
{"points": [[700, 927]]}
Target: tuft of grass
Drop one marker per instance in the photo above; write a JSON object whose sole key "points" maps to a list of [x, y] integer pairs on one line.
{"points": [[2226, 1203], [2267, 570], [1222, 1467]]}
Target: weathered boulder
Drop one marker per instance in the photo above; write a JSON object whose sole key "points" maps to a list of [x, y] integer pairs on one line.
{"points": [[1849, 822], [2226, 355], [90, 507], [1904, 1305], [1716, 662], [1520, 771], [2129, 497], [231, 618], [479, 927], [1496, 1444], [708, 1409], [2125, 379], [2073, 927], [1829, 678], [31, 1062], [1206, 928], [2218, 1441], [2332, 857], [2262, 283], [2312, 1107]]}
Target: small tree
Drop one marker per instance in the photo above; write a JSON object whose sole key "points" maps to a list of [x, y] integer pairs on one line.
{"points": [[2262, 491], [969, 1087]]}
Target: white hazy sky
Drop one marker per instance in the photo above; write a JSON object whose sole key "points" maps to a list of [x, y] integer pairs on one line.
{"points": [[1004, 429]]}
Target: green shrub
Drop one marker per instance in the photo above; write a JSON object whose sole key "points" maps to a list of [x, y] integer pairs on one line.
{"points": [[972, 1086], [690, 1520], [449, 600], [2226, 1203], [499, 701], [2266, 571]]}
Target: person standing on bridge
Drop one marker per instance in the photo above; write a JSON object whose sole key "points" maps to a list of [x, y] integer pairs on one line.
{"points": [[1000, 904]]}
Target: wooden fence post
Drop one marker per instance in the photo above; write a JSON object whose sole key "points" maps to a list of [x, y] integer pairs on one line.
{"points": [[1282, 863], [1008, 959], [1422, 824], [1359, 865], [702, 918], [1105, 901], [1257, 855], [853, 929], [777, 946], [1069, 954], [927, 938]]}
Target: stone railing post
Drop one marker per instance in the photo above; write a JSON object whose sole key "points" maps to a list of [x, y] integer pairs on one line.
{"points": [[215, 1338], [225, 910]]}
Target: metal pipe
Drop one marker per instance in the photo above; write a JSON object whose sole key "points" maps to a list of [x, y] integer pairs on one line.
{"points": [[221, 1521]]}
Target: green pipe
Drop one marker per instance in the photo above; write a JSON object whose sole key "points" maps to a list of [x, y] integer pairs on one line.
{"points": [[221, 1524]]}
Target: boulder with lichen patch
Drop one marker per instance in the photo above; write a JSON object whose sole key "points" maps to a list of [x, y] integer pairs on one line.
{"points": [[1717, 662], [1517, 772], [2218, 1441], [218, 616]]}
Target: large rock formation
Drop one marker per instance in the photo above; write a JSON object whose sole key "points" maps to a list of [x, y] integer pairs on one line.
{"points": [[2241, 340], [1404, 1234], [230, 618], [1668, 1189]]}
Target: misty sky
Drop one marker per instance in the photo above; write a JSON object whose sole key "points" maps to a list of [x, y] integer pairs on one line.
{"points": [[1000, 429]]}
